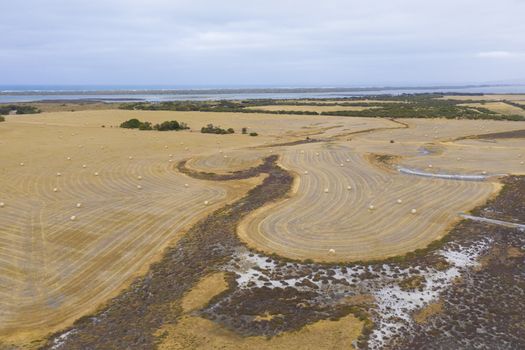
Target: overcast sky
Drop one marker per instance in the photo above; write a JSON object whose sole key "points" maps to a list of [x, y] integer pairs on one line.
{"points": [[252, 42]]}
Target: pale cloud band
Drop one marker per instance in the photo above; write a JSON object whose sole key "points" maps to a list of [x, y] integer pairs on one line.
{"points": [[343, 42]]}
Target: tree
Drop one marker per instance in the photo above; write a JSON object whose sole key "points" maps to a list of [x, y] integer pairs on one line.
{"points": [[244, 130], [131, 124]]}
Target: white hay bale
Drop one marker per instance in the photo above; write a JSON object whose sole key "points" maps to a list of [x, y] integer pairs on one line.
{"points": [[186, 185], [68, 158], [55, 189], [79, 205], [139, 187], [206, 202], [413, 211], [348, 160], [302, 151], [220, 151], [399, 201], [349, 187], [165, 146], [186, 148], [341, 165], [326, 190], [331, 251], [430, 165], [59, 174], [130, 157], [73, 218], [484, 172], [170, 155], [371, 207], [522, 163], [2, 204], [306, 172], [139, 177], [95, 173], [170, 160], [316, 153], [84, 166], [225, 156], [22, 164]]}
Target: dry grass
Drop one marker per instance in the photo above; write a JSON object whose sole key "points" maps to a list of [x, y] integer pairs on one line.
{"points": [[498, 107], [197, 333], [421, 316], [54, 269], [312, 221], [307, 108], [203, 291], [487, 97]]}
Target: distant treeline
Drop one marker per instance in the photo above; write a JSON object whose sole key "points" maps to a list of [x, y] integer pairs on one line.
{"points": [[18, 109], [396, 106], [164, 126]]}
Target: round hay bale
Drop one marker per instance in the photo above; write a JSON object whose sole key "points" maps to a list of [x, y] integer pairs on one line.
{"points": [[371, 207], [84, 166], [306, 172], [2, 204], [55, 189], [331, 251], [22, 164], [186, 185], [95, 173], [79, 205], [430, 165], [130, 157], [399, 201], [349, 187], [413, 211], [206, 202], [326, 190], [139, 187], [139, 177], [68, 158], [59, 174], [73, 218]]}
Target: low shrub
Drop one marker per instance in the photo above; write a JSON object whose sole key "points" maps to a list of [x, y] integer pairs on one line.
{"points": [[211, 129]]}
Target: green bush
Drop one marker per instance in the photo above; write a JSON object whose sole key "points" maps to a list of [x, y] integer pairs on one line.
{"points": [[244, 131], [131, 124], [210, 129], [18, 109], [2, 119], [164, 126], [254, 134], [145, 126]]}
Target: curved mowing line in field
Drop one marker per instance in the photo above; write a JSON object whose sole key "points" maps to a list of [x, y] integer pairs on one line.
{"points": [[46, 259], [313, 222]]}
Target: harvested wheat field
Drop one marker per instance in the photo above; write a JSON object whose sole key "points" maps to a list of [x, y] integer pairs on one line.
{"points": [[87, 207]]}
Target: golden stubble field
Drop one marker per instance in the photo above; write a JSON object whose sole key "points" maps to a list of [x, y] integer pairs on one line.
{"points": [[87, 208]]}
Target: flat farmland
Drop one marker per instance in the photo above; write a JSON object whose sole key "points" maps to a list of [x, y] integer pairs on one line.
{"points": [[345, 208]]}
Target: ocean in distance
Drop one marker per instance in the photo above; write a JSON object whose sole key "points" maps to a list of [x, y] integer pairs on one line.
{"points": [[107, 93]]}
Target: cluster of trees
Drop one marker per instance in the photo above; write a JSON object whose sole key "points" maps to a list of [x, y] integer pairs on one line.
{"points": [[18, 109], [425, 105], [164, 126], [211, 129]]}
